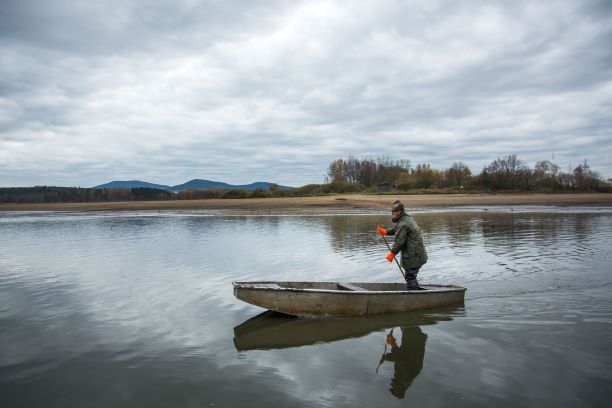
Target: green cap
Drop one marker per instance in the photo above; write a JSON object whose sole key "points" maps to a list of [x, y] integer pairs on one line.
{"points": [[397, 206]]}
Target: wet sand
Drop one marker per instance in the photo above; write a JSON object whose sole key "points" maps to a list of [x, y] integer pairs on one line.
{"points": [[336, 203]]}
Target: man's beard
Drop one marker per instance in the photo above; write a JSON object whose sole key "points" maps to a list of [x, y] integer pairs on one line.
{"points": [[395, 219]]}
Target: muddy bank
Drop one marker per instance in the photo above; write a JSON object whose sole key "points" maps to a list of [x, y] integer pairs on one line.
{"points": [[337, 203]]}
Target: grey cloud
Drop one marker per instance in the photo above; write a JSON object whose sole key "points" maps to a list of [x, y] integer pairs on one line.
{"points": [[274, 90], [118, 26]]}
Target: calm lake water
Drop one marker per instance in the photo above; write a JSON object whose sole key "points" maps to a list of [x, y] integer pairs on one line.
{"points": [[137, 310]]}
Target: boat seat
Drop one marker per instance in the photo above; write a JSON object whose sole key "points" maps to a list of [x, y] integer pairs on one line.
{"points": [[350, 286], [266, 286]]}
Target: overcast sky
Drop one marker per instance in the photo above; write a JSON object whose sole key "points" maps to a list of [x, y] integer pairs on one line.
{"points": [[243, 91]]}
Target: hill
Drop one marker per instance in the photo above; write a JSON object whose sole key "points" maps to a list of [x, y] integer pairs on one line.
{"points": [[190, 185], [132, 184]]}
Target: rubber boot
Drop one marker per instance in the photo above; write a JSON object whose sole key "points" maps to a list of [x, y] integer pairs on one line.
{"points": [[412, 284]]}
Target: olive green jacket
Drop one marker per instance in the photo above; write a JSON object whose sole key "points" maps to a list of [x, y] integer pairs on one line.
{"points": [[408, 240]]}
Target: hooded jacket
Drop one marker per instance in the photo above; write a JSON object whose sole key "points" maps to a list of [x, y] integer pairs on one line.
{"points": [[408, 241]]}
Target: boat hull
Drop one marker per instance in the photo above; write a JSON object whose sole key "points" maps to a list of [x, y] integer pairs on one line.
{"points": [[332, 299]]}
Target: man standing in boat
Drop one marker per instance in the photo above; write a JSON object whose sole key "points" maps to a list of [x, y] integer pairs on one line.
{"points": [[408, 241]]}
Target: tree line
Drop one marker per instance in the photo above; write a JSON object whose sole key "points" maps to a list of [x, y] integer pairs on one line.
{"points": [[50, 194], [507, 173], [354, 176]]}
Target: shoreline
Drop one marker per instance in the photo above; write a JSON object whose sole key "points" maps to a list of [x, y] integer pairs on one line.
{"points": [[333, 203]]}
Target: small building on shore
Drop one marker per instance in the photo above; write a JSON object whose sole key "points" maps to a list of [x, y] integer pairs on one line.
{"points": [[385, 187]]}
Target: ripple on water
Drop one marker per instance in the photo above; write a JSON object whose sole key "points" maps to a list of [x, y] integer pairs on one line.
{"points": [[143, 294]]}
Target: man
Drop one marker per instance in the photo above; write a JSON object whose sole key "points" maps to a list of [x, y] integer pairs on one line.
{"points": [[408, 241]]}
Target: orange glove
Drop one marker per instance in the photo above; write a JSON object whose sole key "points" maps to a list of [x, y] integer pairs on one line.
{"points": [[381, 231], [390, 340], [390, 256]]}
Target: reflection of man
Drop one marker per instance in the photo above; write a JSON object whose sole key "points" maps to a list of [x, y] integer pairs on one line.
{"points": [[408, 358]]}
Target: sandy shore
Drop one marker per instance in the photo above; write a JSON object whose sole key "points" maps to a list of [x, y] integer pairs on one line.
{"points": [[337, 203]]}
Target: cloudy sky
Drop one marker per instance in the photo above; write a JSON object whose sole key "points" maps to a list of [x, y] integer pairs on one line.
{"points": [[241, 91]]}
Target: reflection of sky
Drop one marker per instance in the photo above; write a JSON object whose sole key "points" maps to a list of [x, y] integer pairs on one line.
{"points": [[153, 294]]}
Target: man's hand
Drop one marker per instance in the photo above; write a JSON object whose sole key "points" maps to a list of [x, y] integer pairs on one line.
{"points": [[390, 256], [381, 231]]}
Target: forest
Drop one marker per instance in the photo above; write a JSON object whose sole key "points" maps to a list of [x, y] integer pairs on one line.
{"points": [[503, 174]]}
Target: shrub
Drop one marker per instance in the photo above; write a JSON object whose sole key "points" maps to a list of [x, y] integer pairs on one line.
{"points": [[238, 193]]}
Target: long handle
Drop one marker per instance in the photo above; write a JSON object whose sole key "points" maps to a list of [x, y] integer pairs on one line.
{"points": [[396, 261], [384, 352]]}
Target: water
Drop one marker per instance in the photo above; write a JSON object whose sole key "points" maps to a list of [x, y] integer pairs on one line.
{"points": [[136, 309]]}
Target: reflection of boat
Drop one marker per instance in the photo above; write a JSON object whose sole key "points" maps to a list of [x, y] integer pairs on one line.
{"points": [[341, 299], [272, 330]]}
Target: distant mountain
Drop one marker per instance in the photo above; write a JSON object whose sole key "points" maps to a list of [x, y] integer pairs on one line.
{"points": [[190, 185], [197, 183], [264, 185], [133, 184], [209, 184]]}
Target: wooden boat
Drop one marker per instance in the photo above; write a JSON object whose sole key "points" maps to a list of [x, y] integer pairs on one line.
{"points": [[343, 299], [273, 330]]}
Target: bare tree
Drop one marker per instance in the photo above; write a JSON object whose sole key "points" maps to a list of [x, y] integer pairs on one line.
{"points": [[458, 173]]}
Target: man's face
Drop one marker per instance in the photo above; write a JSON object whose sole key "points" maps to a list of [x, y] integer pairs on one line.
{"points": [[395, 213]]}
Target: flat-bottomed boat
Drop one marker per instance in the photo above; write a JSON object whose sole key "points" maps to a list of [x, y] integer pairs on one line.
{"points": [[344, 299]]}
